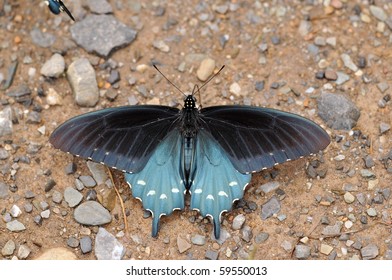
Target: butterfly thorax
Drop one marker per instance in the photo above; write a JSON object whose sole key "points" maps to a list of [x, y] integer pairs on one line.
{"points": [[189, 124]]}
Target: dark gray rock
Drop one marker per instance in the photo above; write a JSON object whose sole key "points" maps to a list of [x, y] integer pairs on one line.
{"points": [[92, 213], [15, 226], [271, 207], [246, 233], [332, 230], [73, 242], [268, 187], [261, 237], [70, 168], [81, 76], [102, 34], [107, 247], [211, 255], [54, 67], [87, 181], [42, 39], [337, 111], [369, 252], [302, 252], [72, 197], [98, 171]]}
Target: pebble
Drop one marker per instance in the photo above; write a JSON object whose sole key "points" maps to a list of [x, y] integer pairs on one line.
{"points": [[28, 207], [261, 237], [235, 89], [92, 213], [348, 62], [384, 127], [33, 117], [238, 222], [198, 240], [8, 248], [87, 181], [369, 252], [3, 190], [107, 247], [54, 67], [331, 75], [286, 245], [268, 187], [161, 45], [378, 13], [81, 76], [23, 252], [337, 111], [223, 236], [211, 255], [349, 198], [304, 27], [302, 252], [369, 162], [42, 39], [73, 242], [114, 77], [72, 197], [365, 173], [15, 211], [259, 85], [57, 197], [246, 233], [37, 219], [205, 69], [382, 87], [339, 157], [49, 185], [342, 78], [371, 212], [57, 254], [270, 208], [102, 34], [99, 6], [71, 168], [6, 122], [4, 154], [15, 226], [325, 249], [182, 244], [53, 98], [86, 244], [98, 171], [332, 230], [45, 214]]}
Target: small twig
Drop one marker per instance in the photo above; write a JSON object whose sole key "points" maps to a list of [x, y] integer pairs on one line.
{"points": [[121, 201]]}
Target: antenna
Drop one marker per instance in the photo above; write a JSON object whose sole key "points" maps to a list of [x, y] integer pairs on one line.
{"points": [[168, 79], [213, 76]]}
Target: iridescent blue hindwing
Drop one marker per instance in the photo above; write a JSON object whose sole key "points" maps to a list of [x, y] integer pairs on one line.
{"points": [[159, 185], [216, 184]]}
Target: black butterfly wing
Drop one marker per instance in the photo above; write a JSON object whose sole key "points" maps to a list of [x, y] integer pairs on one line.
{"points": [[257, 138], [122, 137]]}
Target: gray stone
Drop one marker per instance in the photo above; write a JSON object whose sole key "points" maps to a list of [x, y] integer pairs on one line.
{"points": [[70, 168], [45, 214], [23, 252], [342, 78], [369, 162], [107, 247], [302, 252], [38, 220], [211, 255], [378, 13], [367, 174], [383, 86], [261, 237], [15, 226], [4, 154], [337, 111], [72, 197], [384, 127], [15, 211], [99, 6], [348, 62], [269, 208], [73, 242], [6, 122], [49, 185], [371, 212], [98, 171], [332, 230], [8, 248], [92, 213], [369, 252], [88, 181], [43, 205], [54, 67], [304, 27], [224, 235], [3, 190], [286, 245], [246, 233], [388, 254], [268, 187], [33, 117], [198, 239], [28, 207], [238, 221], [182, 244], [42, 39], [161, 45], [102, 34], [7, 217], [81, 76], [86, 244], [57, 197]]}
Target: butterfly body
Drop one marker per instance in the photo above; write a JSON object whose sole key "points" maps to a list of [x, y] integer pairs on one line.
{"points": [[209, 153], [57, 6]]}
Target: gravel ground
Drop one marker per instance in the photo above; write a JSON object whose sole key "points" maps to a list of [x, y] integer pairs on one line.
{"points": [[329, 61]]}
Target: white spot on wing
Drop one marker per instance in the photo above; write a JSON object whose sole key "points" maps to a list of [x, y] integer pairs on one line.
{"points": [[198, 191], [233, 183], [151, 193], [163, 196], [141, 182], [210, 196], [175, 190], [222, 193]]}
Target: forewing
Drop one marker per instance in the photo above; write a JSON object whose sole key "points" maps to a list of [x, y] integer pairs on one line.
{"points": [[159, 185], [122, 137], [257, 138], [216, 183]]}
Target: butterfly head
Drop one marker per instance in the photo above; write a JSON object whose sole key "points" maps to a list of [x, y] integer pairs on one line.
{"points": [[190, 102]]}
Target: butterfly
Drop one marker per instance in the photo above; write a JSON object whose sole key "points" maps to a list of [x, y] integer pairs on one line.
{"points": [[209, 152], [57, 6]]}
